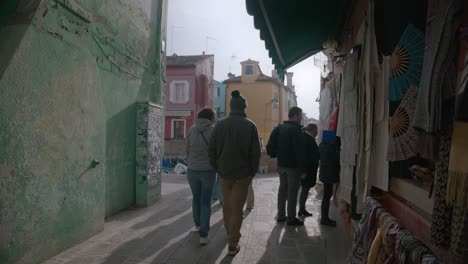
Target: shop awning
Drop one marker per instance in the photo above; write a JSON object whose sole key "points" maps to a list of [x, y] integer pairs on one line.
{"points": [[295, 30]]}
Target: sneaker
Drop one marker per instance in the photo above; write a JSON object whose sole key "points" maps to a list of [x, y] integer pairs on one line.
{"points": [[203, 241], [197, 228], [232, 251], [304, 213], [328, 222], [295, 222]]}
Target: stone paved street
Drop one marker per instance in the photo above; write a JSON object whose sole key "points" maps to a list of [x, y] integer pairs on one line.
{"points": [[164, 233]]}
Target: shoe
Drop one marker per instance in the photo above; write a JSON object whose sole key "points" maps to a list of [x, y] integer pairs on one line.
{"points": [[203, 241], [328, 222], [304, 213], [295, 222], [232, 251], [250, 208], [197, 228], [281, 219]]}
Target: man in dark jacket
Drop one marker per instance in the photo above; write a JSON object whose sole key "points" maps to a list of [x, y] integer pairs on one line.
{"points": [[235, 154], [290, 166], [312, 157], [329, 171]]}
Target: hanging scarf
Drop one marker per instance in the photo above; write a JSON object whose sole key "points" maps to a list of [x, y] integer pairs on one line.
{"points": [[438, 73], [457, 191]]}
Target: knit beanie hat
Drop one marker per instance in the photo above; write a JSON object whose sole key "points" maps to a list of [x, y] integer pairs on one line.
{"points": [[238, 102]]}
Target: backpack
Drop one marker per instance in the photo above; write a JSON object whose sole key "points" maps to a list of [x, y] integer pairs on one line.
{"points": [[272, 147]]}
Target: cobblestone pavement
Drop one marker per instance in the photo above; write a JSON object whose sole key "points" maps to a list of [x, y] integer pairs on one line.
{"points": [[164, 233]]}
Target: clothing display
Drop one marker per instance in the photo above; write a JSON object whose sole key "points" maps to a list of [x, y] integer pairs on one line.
{"points": [[438, 73], [442, 213], [380, 239]]}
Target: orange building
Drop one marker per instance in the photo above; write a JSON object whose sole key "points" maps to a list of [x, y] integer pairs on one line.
{"points": [[267, 98]]}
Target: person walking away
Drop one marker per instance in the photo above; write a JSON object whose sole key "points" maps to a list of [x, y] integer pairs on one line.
{"points": [[329, 171], [250, 198], [235, 154], [286, 143], [217, 193], [201, 175], [312, 157]]}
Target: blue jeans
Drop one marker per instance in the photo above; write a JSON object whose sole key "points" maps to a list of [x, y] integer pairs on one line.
{"points": [[201, 183], [218, 194]]}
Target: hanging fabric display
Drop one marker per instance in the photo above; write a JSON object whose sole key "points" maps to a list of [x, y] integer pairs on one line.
{"points": [[461, 106], [442, 213], [438, 75], [379, 238], [403, 137], [334, 120], [367, 71], [458, 167], [378, 176], [347, 128], [406, 63]]}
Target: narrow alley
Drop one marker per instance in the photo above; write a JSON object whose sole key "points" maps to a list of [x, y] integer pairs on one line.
{"points": [[164, 233]]}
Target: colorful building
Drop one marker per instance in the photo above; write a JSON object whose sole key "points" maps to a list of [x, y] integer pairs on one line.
{"points": [[189, 89], [220, 99], [71, 76], [268, 99]]}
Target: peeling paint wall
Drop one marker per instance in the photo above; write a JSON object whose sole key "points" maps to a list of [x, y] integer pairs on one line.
{"points": [[71, 73]]}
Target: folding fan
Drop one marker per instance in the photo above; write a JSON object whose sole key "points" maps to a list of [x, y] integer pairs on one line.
{"points": [[403, 137], [406, 63]]}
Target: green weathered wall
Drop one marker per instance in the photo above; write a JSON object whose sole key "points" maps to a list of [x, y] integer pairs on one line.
{"points": [[70, 78]]}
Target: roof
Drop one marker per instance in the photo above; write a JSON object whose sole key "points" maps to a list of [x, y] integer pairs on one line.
{"points": [[185, 61], [236, 79], [261, 78], [293, 32]]}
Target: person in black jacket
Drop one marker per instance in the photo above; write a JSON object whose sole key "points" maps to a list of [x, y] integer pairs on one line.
{"points": [[312, 157], [290, 154], [329, 171]]}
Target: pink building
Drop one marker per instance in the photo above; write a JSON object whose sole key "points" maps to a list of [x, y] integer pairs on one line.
{"points": [[189, 88]]}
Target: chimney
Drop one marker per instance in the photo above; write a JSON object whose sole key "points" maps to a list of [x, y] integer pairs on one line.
{"points": [[289, 76], [230, 75], [274, 74]]}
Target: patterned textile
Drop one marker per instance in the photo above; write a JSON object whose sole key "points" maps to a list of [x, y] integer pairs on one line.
{"points": [[390, 227], [442, 213], [361, 243], [410, 249], [438, 74]]}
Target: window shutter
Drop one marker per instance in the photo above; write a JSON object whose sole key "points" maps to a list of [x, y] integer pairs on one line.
{"points": [[172, 92], [186, 92]]}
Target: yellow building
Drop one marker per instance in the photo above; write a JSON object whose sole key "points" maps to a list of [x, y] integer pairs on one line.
{"points": [[267, 98]]}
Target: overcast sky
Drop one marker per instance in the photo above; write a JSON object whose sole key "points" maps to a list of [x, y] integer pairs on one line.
{"points": [[224, 28]]}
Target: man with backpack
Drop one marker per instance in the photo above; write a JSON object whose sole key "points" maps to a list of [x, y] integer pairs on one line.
{"points": [[286, 144]]}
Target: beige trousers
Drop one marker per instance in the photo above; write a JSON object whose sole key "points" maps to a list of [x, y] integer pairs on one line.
{"points": [[235, 195]]}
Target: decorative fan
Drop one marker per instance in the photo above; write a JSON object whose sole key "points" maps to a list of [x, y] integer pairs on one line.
{"points": [[406, 63], [403, 137]]}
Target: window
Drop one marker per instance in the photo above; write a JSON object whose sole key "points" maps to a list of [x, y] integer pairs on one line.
{"points": [[178, 128], [275, 100], [218, 91], [179, 92], [249, 69]]}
